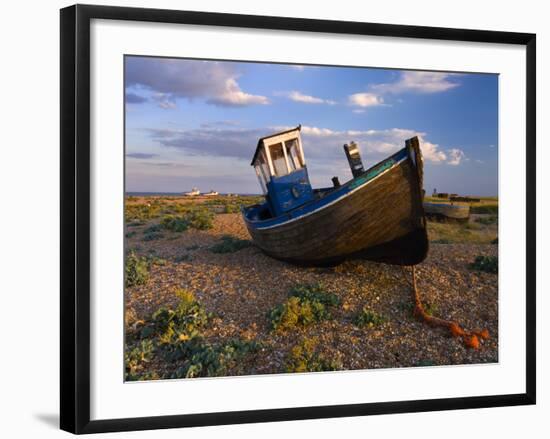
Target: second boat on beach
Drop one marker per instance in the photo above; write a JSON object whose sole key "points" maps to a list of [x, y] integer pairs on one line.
{"points": [[447, 211]]}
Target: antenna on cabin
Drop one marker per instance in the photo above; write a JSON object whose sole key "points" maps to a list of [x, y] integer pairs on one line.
{"points": [[354, 159]]}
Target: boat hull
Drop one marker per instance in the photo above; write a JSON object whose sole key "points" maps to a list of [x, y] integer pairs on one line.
{"points": [[381, 219]]}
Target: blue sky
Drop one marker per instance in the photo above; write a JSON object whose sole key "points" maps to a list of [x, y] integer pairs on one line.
{"points": [[196, 123]]}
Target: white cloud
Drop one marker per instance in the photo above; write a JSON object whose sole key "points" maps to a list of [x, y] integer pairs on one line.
{"points": [[374, 144], [431, 151], [418, 82], [456, 156], [323, 145], [318, 132], [297, 96], [172, 79], [232, 95], [408, 82], [165, 101], [365, 100]]}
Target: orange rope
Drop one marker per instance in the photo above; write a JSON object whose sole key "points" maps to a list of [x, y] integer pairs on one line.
{"points": [[470, 338]]}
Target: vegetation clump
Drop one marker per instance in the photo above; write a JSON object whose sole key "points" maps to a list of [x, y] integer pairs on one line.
{"points": [[153, 236], [230, 244], [232, 208], [207, 360], [431, 308], [367, 317], [142, 212], [485, 208], [314, 293], [175, 333], [154, 228], [155, 260], [174, 223], [306, 357], [488, 264], [306, 304], [152, 233], [453, 233], [487, 220], [136, 270], [200, 219], [181, 323], [136, 359]]}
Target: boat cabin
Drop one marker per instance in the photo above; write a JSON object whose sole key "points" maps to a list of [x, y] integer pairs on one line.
{"points": [[280, 166]]}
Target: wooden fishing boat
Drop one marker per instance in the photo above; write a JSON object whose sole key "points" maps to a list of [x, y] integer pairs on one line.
{"points": [[377, 215], [447, 211]]}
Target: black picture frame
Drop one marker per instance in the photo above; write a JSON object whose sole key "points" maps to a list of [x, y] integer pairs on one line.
{"points": [[75, 217]]}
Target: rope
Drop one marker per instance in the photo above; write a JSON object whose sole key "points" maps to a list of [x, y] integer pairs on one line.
{"points": [[470, 338]]}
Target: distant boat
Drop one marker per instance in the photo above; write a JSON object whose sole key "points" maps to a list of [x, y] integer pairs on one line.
{"points": [[447, 211], [377, 215], [211, 193], [193, 193]]}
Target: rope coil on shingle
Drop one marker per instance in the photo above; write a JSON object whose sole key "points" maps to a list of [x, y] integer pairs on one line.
{"points": [[470, 338]]}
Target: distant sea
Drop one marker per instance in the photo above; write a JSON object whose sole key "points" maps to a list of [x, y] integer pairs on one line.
{"points": [[173, 194]]}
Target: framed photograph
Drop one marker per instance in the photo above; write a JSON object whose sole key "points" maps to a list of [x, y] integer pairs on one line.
{"points": [[268, 218]]}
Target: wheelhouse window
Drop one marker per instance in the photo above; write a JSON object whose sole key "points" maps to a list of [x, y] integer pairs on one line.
{"points": [[262, 170], [293, 154], [278, 156], [261, 179], [278, 159]]}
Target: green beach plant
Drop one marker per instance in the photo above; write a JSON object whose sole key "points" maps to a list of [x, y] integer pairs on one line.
{"points": [[136, 359], [181, 323], [136, 270], [488, 264], [230, 244], [175, 332], [201, 359], [174, 223], [487, 220], [367, 317], [305, 357], [305, 305], [485, 208], [200, 219], [316, 293]]}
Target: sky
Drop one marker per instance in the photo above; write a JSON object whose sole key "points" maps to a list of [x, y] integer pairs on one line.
{"points": [[196, 123]]}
